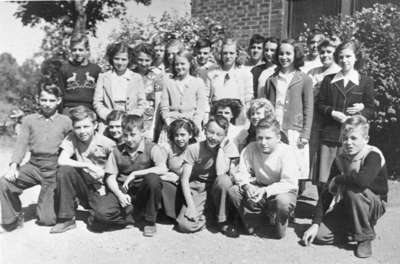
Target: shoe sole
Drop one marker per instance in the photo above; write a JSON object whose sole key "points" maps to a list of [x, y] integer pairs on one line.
{"points": [[63, 230]]}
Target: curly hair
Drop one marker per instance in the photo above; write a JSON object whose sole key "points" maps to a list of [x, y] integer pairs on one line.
{"points": [[188, 55], [186, 124], [118, 47], [234, 104], [145, 48], [255, 104], [298, 54]]}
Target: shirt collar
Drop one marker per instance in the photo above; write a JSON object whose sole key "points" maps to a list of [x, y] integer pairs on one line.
{"points": [[127, 74], [352, 76], [286, 76], [140, 148]]}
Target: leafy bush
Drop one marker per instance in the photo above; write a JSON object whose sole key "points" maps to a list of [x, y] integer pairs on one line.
{"points": [[378, 30]]}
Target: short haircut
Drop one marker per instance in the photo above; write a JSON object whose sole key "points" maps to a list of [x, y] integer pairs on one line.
{"points": [[202, 43], [234, 104], [255, 104], [298, 54], [269, 124], [327, 43], [256, 39], [119, 47], [81, 112], [157, 41], [221, 121], [79, 38], [186, 124], [188, 55], [315, 32], [49, 86], [145, 48], [172, 43], [115, 115], [130, 122], [353, 122], [356, 47], [272, 40]]}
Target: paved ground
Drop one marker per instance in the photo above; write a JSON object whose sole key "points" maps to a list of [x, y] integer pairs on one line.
{"points": [[33, 244]]}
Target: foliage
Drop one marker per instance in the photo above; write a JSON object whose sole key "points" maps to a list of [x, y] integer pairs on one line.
{"points": [[65, 13], [378, 30]]}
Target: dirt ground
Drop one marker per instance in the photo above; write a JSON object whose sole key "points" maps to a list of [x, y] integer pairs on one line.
{"points": [[33, 244]]}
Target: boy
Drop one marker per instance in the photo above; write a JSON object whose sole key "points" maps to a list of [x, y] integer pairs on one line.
{"points": [[41, 134], [357, 192], [82, 176], [78, 76], [206, 173], [313, 61], [133, 174], [266, 180], [204, 58], [256, 50]]}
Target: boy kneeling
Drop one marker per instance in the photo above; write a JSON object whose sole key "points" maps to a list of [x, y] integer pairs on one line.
{"points": [[133, 174], [357, 192], [81, 177], [266, 180]]}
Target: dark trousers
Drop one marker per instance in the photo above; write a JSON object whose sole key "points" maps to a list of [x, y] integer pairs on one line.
{"points": [[74, 183], [146, 199], [40, 171], [355, 215]]}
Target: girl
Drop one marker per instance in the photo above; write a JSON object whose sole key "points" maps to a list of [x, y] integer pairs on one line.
{"points": [[206, 173], [144, 56], [230, 80], [326, 50], [290, 91], [181, 133], [259, 109], [159, 50], [342, 94], [114, 126], [269, 67], [184, 94], [230, 109], [119, 88]]}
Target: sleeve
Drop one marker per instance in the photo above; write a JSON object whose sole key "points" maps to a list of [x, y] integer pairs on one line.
{"points": [[67, 145], [201, 102], [368, 172], [165, 102], [321, 207], [208, 93], [308, 106], [324, 105], [68, 127], [158, 156], [111, 167], [22, 142], [290, 173], [192, 154], [369, 100], [248, 86], [98, 98], [244, 170]]}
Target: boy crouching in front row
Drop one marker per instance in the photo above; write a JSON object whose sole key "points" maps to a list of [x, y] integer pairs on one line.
{"points": [[266, 180], [357, 192], [41, 134], [82, 176]]}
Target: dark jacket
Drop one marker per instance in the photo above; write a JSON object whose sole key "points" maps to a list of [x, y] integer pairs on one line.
{"points": [[336, 97], [299, 102]]}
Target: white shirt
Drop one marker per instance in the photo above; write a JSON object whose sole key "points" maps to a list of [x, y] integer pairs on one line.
{"points": [[119, 94], [283, 82], [352, 76]]}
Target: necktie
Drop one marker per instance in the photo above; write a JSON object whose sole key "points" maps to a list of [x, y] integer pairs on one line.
{"points": [[226, 78]]}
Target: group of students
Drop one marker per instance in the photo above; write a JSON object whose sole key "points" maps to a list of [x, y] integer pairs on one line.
{"points": [[202, 138]]}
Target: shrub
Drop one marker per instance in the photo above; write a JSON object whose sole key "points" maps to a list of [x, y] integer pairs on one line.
{"points": [[378, 30]]}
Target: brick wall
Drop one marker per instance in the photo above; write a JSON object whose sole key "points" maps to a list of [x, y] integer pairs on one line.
{"points": [[246, 17]]}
